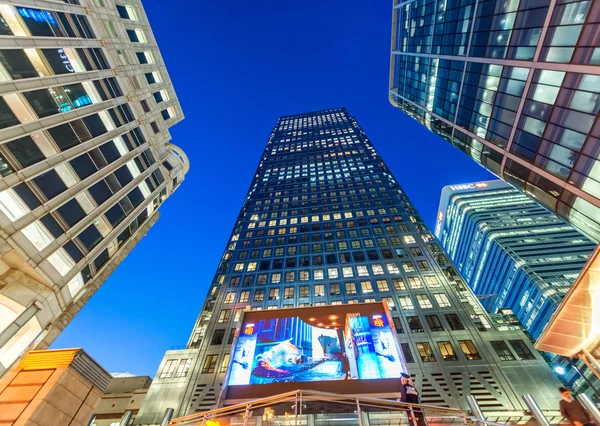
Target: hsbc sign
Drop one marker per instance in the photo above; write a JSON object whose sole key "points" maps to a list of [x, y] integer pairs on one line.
{"points": [[468, 186]]}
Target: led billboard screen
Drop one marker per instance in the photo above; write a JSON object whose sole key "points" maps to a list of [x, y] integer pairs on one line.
{"points": [[314, 345]]}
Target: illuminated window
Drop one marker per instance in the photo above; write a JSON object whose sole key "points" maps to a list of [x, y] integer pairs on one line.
{"points": [[366, 287], [183, 367], [319, 290], [224, 315], [447, 351], [382, 285], [442, 300], [406, 302], [225, 363], [244, 296], [209, 365], [229, 297], [415, 282], [398, 284], [274, 294], [259, 296], [424, 301], [350, 288], [425, 352], [469, 350]]}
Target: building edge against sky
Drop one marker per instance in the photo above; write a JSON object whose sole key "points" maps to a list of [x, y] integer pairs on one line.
{"points": [[514, 85], [326, 223], [85, 157], [514, 254]]}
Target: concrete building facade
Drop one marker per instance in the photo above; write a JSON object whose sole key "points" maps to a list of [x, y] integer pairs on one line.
{"points": [[85, 156], [123, 393], [52, 388], [515, 85], [326, 223]]}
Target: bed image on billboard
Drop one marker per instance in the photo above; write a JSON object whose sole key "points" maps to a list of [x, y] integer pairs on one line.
{"points": [[315, 345]]}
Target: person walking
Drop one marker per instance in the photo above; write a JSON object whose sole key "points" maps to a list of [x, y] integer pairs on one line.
{"points": [[572, 410], [409, 394]]}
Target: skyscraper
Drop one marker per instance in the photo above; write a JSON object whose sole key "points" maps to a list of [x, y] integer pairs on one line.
{"points": [[512, 252], [85, 156], [326, 223], [515, 85]]}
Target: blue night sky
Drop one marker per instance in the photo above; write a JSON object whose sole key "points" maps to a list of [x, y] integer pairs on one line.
{"points": [[237, 66]]}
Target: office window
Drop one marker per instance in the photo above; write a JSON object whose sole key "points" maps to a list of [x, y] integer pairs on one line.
{"points": [[390, 302], [244, 296], [382, 285], [408, 357], [406, 302], [434, 323], [424, 301], [398, 284], [229, 297], [224, 315], [398, 325], [168, 369], [183, 367], [334, 289], [447, 351], [442, 300], [454, 322], [431, 281], [425, 352], [17, 64], [304, 291], [414, 323], [209, 364], [217, 337], [469, 350], [415, 283], [259, 296], [521, 349], [502, 350], [366, 287], [319, 290], [225, 363], [154, 127], [288, 293], [274, 294], [350, 288]]}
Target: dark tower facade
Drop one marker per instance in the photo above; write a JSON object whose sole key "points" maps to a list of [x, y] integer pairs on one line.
{"points": [[326, 223]]}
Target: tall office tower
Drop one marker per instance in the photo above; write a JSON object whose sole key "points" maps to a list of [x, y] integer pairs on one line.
{"points": [[85, 159], [514, 84], [511, 251], [326, 223], [514, 254]]}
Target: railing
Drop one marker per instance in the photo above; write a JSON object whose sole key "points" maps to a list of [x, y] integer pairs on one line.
{"points": [[307, 408]]}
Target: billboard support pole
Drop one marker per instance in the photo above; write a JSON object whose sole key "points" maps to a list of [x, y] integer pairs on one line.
{"points": [[359, 412], [246, 415], [296, 409]]}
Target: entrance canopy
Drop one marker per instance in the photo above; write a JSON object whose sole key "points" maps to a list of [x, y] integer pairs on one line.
{"points": [[574, 330]]}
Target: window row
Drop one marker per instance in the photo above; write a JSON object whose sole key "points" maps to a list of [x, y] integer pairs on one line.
{"points": [[28, 150], [24, 21], [16, 64], [25, 107]]}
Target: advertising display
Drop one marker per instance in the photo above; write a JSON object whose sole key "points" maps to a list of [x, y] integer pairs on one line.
{"points": [[315, 345]]}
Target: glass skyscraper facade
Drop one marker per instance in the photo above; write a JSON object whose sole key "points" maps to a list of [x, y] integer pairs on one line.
{"points": [[326, 223], [514, 254], [514, 84], [85, 156], [508, 247]]}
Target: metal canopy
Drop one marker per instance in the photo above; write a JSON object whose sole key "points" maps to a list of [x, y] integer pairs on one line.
{"points": [[575, 327]]}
